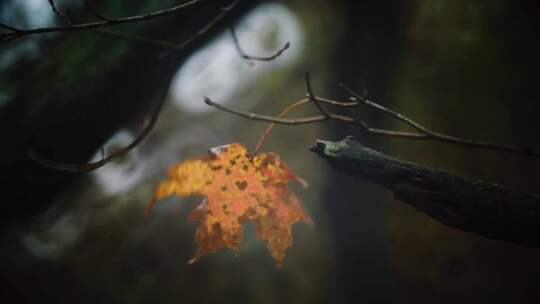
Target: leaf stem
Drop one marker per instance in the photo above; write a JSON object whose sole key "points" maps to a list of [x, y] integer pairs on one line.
{"points": [[269, 128]]}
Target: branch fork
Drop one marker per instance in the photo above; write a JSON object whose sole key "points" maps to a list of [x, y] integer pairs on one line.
{"points": [[355, 101]]}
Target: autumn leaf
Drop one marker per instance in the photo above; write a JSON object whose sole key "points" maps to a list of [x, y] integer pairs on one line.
{"points": [[238, 189]]}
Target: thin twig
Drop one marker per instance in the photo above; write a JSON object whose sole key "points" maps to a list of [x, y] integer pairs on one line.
{"points": [[271, 125], [95, 11], [129, 36], [422, 134], [312, 98], [336, 103], [432, 135], [284, 121], [170, 44], [250, 58], [9, 28], [310, 120], [58, 13], [383, 109], [253, 116], [224, 11], [104, 160], [4, 37], [155, 114]]}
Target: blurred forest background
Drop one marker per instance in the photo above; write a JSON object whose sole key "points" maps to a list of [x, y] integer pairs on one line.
{"points": [[468, 68]]}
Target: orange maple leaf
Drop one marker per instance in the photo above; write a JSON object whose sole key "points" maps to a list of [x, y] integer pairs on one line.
{"points": [[238, 189]]}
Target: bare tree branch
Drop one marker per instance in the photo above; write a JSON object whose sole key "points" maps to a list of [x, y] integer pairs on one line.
{"points": [[251, 58], [9, 28], [155, 114], [432, 135], [19, 33], [95, 11], [379, 107], [149, 125], [135, 37], [58, 13], [284, 121], [422, 133], [467, 204], [169, 44], [312, 98], [209, 25]]}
